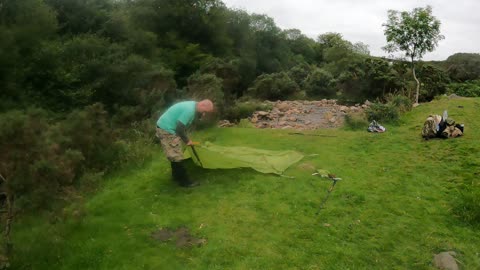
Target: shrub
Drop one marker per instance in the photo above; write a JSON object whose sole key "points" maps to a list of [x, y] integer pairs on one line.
{"points": [[356, 121], [401, 102], [382, 112], [299, 74], [89, 132], [245, 123], [275, 86], [466, 89], [35, 165], [320, 83], [434, 82], [202, 86], [242, 110]]}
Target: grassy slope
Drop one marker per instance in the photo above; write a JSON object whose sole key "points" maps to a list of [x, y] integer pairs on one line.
{"points": [[393, 210]]}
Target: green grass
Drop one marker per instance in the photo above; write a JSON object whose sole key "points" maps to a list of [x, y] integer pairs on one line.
{"points": [[392, 210]]}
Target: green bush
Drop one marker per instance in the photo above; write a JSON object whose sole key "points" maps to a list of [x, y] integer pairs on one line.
{"points": [[245, 123], [202, 86], [275, 86], [382, 112], [466, 89], [34, 162], [320, 83], [242, 110], [433, 81], [401, 102], [355, 121], [89, 132]]}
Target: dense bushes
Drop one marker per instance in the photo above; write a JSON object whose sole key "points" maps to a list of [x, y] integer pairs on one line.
{"points": [[273, 86], [42, 156], [382, 112], [355, 121], [433, 81], [320, 84], [390, 111], [241, 110], [466, 89], [201, 86], [34, 163]]}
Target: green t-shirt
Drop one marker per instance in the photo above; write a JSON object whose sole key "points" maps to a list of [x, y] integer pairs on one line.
{"points": [[182, 111]]}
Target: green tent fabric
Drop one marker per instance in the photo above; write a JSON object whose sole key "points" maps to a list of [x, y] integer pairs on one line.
{"points": [[221, 157]]}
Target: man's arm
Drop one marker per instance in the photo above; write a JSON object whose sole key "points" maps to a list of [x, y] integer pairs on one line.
{"points": [[181, 131]]}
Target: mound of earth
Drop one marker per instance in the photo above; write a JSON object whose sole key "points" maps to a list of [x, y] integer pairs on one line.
{"points": [[181, 236]]}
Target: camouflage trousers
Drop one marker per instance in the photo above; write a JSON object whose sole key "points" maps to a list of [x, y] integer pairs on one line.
{"points": [[171, 145]]}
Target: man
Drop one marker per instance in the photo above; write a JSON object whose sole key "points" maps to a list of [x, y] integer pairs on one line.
{"points": [[172, 129]]}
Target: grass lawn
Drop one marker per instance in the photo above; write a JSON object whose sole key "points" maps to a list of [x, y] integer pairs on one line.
{"points": [[392, 210]]}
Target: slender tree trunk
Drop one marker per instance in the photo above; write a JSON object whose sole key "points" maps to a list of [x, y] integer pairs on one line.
{"points": [[418, 82]]}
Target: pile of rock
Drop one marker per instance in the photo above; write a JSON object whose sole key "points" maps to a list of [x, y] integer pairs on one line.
{"points": [[303, 115], [225, 123]]}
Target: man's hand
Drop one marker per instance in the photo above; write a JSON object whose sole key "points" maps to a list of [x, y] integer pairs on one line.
{"points": [[190, 143]]}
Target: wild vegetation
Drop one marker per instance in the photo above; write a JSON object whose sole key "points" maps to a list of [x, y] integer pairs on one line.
{"points": [[81, 83], [401, 200]]}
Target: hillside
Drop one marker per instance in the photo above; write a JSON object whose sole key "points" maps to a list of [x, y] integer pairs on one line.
{"points": [[394, 209]]}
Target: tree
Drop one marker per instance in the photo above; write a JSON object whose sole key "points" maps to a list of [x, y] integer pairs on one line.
{"points": [[320, 83], [275, 86], [414, 33]]}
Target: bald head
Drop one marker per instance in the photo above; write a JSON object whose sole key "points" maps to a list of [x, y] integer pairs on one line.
{"points": [[204, 106]]}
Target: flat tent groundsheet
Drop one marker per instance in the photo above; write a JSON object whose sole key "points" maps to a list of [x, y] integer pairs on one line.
{"points": [[222, 157]]}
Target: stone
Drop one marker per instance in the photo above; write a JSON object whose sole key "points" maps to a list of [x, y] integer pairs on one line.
{"points": [[293, 119], [283, 107], [344, 108], [333, 120], [272, 116], [445, 260], [225, 123], [287, 127], [262, 113]]}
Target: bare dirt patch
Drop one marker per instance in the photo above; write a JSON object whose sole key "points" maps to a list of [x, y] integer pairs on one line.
{"points": [[180, 236]]}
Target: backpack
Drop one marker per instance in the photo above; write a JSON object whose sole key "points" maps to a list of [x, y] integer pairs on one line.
{"points": [[430, 128], [452, 130]]}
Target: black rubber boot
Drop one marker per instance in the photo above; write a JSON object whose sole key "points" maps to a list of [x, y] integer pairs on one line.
{"points": [[180, 175]]}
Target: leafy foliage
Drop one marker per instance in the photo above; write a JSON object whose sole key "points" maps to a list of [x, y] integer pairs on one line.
{"points": [[273, 86], [466, 89], [244, 109], [434, 82], [209, 86], [383, 112], [413, 33], [320, 83]]}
